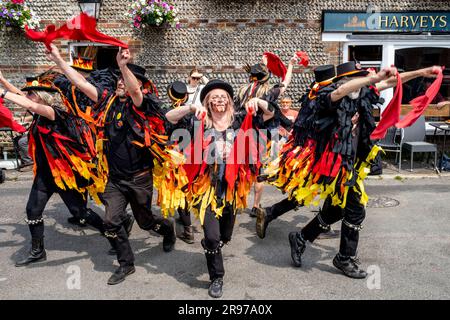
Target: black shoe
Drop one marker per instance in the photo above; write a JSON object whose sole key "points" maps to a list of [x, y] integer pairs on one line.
{"points": [[262, 221], [37, 253], [332, 234], [187, 235], [77, 222], [128, 224], [120, 274], [349, 266], [215, 288], [169, 238], [254, 212], [298, 246]]}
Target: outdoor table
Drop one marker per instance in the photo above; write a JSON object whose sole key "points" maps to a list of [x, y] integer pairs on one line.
{"points": [[14, 145], [445, 127]]}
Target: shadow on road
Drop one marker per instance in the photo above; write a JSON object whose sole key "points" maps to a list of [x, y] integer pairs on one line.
{"points": [[86, 243], [274, 249]]}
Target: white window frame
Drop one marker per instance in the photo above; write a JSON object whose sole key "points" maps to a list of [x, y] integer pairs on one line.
{"points": [[389, 48]]}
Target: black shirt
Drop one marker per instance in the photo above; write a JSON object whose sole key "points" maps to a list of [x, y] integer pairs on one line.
{"points": [[124, 157]]}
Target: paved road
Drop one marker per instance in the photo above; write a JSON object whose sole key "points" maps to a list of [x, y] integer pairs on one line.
{"points": [[407, 248]]}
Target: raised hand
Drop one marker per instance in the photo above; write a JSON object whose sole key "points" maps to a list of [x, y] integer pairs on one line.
{"points": [[294, 60], [123, 57], [53, 54], [431, 72]]}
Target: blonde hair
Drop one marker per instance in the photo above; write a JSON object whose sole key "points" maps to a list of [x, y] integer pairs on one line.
{"points": [[52, 99], [229, 111], [262, 90]]}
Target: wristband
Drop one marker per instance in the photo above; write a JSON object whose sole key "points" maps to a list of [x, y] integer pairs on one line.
{"points": [[3, 94]]}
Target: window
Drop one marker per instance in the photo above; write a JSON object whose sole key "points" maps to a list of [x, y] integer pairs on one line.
{"points": [[368, 56], [415, 58]]}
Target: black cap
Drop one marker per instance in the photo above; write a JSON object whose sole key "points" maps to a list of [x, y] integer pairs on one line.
{"points": [[177, 90], [325, 72], [349, 69], [216, 84]]}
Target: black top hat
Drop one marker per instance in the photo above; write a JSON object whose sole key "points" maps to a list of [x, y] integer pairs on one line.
{"points": [[177, 90], [258, 72], [325, 72], [85, 59], [349, 69], [216, 84], [43, 82], [138, 71], [83, 64]]}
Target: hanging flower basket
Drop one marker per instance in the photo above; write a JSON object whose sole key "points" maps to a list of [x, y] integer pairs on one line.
{"points": [[157, 13], [15, 14]]}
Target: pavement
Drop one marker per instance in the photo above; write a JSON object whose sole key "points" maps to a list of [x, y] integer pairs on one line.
{"points": [[405, 246]]}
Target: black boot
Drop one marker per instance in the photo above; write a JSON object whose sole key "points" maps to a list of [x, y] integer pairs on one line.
{"points": [[187, 235], [254, 212], [77, 221], [298, 246], [215, 288], [120, 274], [349, 266], [214, 262], [37, 253], [167, 230], [94, 220], [263, 218]]}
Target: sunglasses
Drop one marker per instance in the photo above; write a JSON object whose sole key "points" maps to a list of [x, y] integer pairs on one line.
{"points": [[195, 78]]}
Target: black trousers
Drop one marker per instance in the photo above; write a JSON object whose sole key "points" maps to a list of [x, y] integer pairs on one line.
{"points": [[217, 231], [280, 208], [185, 216], [136, 191], [41, 191], [352, 217]]}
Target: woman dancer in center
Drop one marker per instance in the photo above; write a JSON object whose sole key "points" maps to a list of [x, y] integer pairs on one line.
{"points": [[212, 198]]}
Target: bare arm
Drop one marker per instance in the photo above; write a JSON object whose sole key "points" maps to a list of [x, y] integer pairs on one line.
{"points": [[288, 78], [391, 82], [130, 80], [175, 115], [34, 107], [356, 84], [74, 76], [9, 86]]}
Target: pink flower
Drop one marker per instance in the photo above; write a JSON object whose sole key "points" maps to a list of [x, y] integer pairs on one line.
{"points": [[18, 1]]}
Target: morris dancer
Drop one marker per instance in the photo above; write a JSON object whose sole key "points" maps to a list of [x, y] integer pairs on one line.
{"points": [[219, 185], [62, 148], [128, 117]]}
